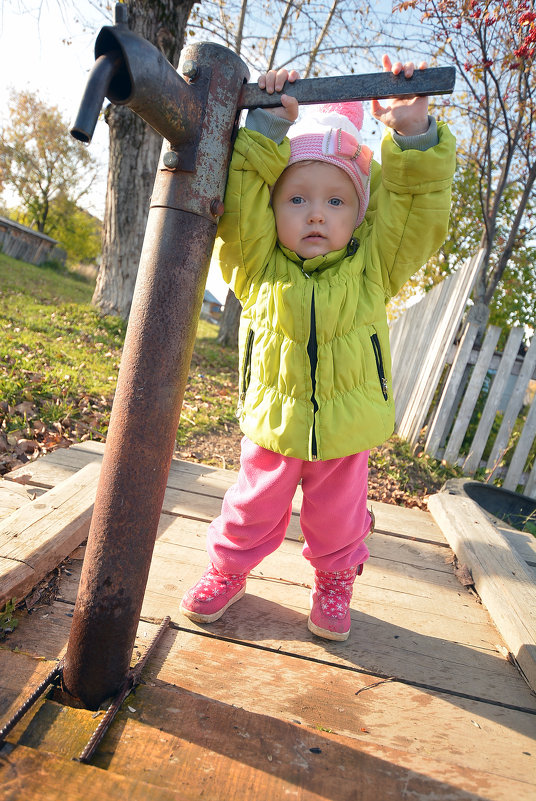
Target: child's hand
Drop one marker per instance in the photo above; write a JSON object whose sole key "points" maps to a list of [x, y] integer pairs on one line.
{"points": [[408, 116], [273, 81]]}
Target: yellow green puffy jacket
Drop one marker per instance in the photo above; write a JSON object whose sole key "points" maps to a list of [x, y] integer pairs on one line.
{"points": [[315, 366]]}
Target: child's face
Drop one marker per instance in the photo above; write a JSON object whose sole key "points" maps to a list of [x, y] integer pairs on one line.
{"points": [[316, 208]]}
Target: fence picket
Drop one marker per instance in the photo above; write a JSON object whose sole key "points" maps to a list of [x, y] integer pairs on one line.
{"points": [[457, 291], [524, 445], [404, 354], [442, 414], [471, 395], [512, 410], [530, 486], [413, 354], [494, 398], [421, 339]]}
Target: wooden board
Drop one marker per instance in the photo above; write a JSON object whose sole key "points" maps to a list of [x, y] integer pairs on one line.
{"points": [[380, 641], [28, 774], [501, 577], [317, 683], [422, 723], [255, 757], [20, 674], [411, 618], [37, 536], [12, 497], [521, 542]]}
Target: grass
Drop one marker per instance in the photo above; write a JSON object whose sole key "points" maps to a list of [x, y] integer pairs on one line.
{"points": [[59, 357], [59, 362], [8, 621], [397, 475], [210, 398], [529, 524]]}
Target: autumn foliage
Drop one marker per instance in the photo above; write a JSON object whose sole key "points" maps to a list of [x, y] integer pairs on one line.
{"points": [[478, 15]]}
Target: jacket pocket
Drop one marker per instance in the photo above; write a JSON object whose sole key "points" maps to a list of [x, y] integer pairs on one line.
{"points": [[379, 364]]}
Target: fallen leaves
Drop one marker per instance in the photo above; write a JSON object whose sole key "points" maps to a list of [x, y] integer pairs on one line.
{"points": [[35, 436]]}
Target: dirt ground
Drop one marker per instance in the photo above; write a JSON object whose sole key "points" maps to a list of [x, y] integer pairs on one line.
{"points": [[385, 485]]}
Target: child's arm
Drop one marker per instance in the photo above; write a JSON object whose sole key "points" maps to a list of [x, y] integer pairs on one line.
{"points": [[247, 233], [409, 212]]}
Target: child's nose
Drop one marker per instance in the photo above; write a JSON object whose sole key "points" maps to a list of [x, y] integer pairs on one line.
{"points": [[316, 213]]}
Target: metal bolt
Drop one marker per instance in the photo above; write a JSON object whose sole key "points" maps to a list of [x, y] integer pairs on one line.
{"points": [[171, 160], [216, 207], [190, 69]]}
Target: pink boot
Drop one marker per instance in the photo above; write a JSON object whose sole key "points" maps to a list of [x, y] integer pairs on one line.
{"points": [[330, 599], [207, 600]]}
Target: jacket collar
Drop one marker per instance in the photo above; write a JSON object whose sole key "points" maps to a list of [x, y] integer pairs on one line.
{"points": [[318, 263]]}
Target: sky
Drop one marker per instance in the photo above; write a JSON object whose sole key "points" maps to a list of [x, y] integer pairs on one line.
{"points": [[44, 49]]}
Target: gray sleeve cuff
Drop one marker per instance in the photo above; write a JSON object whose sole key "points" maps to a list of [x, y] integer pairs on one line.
{"points": [[420, 142], [270, 125]]}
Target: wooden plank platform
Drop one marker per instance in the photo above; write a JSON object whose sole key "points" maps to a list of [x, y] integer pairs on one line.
{"points": [[420, 703], [38, 535], [502, 577]]}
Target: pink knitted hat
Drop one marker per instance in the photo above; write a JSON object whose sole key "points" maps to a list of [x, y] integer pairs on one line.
{"points": [[331, 134]]}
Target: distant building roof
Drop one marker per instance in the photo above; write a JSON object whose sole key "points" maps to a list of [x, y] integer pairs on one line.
{"points": [[209, 298], [25, 229]]}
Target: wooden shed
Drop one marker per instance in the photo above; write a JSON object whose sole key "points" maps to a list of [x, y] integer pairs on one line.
{"points": [[21, 242]]}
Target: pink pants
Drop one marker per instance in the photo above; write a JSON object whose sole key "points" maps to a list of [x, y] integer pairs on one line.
{"points": [[256, 511]]}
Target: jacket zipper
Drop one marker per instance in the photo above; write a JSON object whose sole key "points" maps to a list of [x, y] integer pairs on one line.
{"points": [[312, 352], [379, 364], [246, 370]]}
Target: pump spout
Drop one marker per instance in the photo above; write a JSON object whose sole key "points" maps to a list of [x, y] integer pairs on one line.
{"points": [[100, 77]]}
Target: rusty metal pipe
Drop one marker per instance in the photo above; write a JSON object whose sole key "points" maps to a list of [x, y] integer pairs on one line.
{"points": [[147, 83], [161, 332], [139, 447], [98, 84]]}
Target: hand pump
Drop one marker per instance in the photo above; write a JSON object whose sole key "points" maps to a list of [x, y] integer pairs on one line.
{"points": [[195, 109]]}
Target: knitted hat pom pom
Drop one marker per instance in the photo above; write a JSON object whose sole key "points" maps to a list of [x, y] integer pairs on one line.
{"points": [[352, 111]]}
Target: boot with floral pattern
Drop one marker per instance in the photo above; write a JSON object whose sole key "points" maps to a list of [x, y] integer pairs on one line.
{"points": [[330, 601], [207, 600]]}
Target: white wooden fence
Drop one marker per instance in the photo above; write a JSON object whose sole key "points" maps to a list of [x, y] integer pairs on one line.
{"points": [[438, 385]]}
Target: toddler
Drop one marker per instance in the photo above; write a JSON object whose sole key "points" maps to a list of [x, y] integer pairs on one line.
{"points": [[314, 240]]}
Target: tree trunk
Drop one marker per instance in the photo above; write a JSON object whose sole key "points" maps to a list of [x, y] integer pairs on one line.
{"points": [[230, 321], [134, 153], [479, 313]]}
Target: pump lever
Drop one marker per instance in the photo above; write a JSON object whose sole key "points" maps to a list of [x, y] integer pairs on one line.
{"points": [[430, 81]]}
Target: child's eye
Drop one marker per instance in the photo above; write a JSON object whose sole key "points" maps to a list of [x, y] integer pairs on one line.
{"points": [[296, 200], [336, 201]]}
